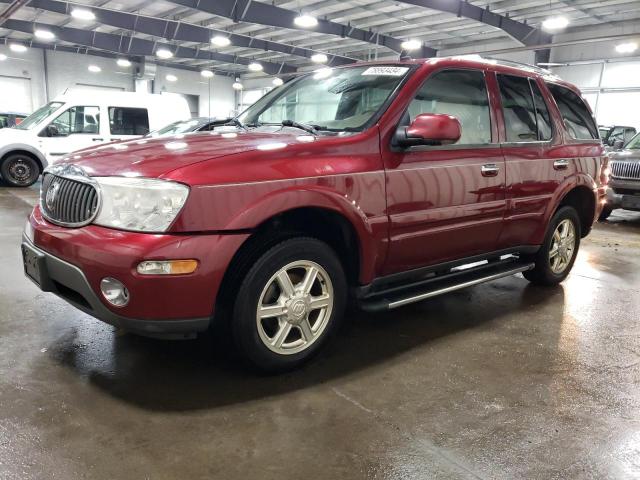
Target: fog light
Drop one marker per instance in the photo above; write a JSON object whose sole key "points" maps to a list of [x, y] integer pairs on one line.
{"points": [[114, 291], [167, 267]]}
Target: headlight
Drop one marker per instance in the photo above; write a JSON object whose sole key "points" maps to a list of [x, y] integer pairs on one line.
{"points": [[139, 204]]}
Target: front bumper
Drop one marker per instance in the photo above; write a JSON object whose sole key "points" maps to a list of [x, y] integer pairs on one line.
{"points": [[624, 200], [73, 261]]}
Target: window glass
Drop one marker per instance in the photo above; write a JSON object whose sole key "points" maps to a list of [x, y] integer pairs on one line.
{"points": [[77, 120], [543, 118], [519, 111], [39, 115], [128, 121], [461, 93], [575, 114]]}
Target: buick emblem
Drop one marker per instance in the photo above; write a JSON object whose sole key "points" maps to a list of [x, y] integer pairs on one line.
{"points": [[52, 193]]}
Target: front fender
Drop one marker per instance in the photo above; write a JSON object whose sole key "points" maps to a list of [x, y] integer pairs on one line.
{"points": [[25, 147]]}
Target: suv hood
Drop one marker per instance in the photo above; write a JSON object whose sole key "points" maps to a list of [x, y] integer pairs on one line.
{"points": [[629, 155], [154, 157]]}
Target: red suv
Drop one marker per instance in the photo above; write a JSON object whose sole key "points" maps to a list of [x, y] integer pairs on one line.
{"points": [[385, 182]]}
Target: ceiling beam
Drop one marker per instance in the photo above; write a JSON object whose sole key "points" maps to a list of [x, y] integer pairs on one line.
{"points": [[11, 9], [523, 33], [175, 30], [128, 45], [267, 14]]}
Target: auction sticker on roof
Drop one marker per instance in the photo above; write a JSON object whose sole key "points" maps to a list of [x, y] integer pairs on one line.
{"points": [[388, 71]]}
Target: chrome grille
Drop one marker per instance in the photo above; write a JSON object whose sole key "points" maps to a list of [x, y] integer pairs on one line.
{"points": [[625, 170], [68, 202]]}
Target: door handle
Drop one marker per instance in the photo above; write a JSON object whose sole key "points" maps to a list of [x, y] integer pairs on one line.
{"points": [[490, 170], [561, 164], [98, 139]]}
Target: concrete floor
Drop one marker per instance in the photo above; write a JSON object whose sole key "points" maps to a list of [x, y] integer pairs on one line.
{"points": [[504, 380]]}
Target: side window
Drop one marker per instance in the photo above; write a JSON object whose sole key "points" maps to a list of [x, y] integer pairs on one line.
{"points": [[577, 118], [461, 93], [518, 108], [629, 134], [543, 118], [128, 121], [77, 120]]}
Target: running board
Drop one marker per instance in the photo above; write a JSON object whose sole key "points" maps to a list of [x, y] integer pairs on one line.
{"points": [[446, 284]]}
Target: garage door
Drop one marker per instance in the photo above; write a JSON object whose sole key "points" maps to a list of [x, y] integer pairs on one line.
{"points": [[20, 98], [619, 108]]}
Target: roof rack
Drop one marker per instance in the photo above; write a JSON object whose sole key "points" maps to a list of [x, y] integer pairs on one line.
{"points": [[511, 63]]}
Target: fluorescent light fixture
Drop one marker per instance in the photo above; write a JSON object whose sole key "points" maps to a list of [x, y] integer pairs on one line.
{"points": [[220, 41], [277, 81], [44, 34], [319, 58], [206, 73], [305, 21], [237, 86], [555, 23], [17, 47], [94, 69], [3, 57], [171, 78], [255, 67], [123, 62], [628, 47], [164, 53], [411, 44], [83, 14]]}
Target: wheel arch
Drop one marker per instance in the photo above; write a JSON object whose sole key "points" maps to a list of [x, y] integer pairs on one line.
{"points": [[580, 195], [25, 150]]}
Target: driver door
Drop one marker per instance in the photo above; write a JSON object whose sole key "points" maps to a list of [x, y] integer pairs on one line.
{"points": [[76, 128]]}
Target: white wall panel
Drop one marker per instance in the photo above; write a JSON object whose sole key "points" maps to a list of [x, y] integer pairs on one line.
{"points": [[16, 94]]}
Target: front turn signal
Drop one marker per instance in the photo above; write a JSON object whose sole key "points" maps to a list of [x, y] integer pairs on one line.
{"points": [[167, 267]]}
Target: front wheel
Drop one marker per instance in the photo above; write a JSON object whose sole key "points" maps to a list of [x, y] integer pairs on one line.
{"points": [[556, 256], [289, 304], [20, 170]]}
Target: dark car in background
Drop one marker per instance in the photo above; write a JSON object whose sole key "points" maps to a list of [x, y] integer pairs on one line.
{"points": [[11, 119], [624, 184]]}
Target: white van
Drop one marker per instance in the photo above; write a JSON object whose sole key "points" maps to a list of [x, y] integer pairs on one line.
{"points": [[79, 120]]}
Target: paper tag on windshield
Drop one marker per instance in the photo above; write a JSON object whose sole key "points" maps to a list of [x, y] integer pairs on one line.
{"points": [[386, 71]]}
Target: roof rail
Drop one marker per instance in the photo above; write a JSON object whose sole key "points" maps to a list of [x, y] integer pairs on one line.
{"points": [[511, 63]]}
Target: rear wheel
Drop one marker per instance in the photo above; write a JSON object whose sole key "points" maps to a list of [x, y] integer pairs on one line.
{"points": [[556, 256], [20, 170], [289, 304]]}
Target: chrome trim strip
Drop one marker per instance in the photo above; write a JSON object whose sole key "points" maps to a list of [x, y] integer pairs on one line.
{"points": [[453, 288]]}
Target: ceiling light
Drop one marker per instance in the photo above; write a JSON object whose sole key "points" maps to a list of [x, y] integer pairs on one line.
{"points": [[629, 47], [411, 44], [255, 67], [555, 23], [220, 41], [83, 14], [237, 85], [94, 69], [17, 47], [171, 78], [164, 53], [319, 58], [2, 57], [305, 21], [123, 62], [206, 73], [277, 81], [44, 34]]}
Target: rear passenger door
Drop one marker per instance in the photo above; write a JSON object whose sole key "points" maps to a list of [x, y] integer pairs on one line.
{"points": [[126, 123], [534, 169], [446, 202]]}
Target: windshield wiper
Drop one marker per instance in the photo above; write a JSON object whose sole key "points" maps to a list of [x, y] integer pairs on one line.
{"points": [[231, 121], [312, 129]]}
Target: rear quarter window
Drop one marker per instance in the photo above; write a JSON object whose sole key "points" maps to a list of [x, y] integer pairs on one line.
{"points": [[576, 116]]}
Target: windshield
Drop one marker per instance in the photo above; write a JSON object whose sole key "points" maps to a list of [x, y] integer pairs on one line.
{"points": [[603, 132], [634, 143], [182, 126], [329, 99], [39, 115]]}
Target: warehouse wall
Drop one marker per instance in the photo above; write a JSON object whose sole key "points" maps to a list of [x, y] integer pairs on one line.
{"points": [[23, 86]]}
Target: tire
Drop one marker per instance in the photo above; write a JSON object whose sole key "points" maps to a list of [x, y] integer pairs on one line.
{"points": [[20, 170], [279, 343], [548, 271], [606, 211]]}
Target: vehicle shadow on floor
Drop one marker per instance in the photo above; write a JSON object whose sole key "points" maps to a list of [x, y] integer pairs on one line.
{"points": [[186, 375]]}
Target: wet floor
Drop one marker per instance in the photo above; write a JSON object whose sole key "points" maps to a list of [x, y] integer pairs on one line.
{"points": [[501, 381]]}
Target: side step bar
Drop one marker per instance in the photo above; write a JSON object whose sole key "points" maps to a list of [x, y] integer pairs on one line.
{"points": [[440, 286]]}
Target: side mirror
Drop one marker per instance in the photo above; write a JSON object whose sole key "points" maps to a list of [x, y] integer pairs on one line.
{"points": [[429, 129], [52, 131], [618, 144]]}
